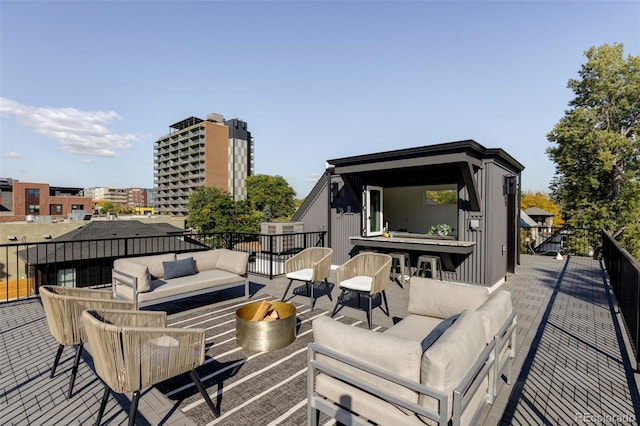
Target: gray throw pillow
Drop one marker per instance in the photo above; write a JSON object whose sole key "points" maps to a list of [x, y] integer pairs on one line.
{"points": [[179, 268], [437, 332]]}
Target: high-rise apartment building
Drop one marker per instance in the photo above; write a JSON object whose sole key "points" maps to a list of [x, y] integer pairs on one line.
{"points": [[213, 152]]}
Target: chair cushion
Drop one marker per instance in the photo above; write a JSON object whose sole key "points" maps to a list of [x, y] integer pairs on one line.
{"points": [[154, 263], [233, 261], [442, 299], [394, 354], [179, 268], [448, 360], [205, 260], [301, 275], [138, 270], [494, 312], [358, 283]]}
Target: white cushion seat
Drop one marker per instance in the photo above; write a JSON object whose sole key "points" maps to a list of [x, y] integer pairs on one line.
{"points": [[301, 275], [358, 283]]}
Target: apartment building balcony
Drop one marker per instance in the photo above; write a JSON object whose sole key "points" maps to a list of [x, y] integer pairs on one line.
{"points": [[574, 363]]}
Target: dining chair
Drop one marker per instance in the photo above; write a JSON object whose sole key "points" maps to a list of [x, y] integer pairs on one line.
{"points": [[364, 274], [311, 265]]}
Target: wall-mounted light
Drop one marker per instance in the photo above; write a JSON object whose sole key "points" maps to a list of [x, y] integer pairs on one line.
{"points": [[334, 191]]}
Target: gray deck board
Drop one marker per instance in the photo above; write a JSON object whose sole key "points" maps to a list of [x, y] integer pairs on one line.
{"points": [[571, 360]]}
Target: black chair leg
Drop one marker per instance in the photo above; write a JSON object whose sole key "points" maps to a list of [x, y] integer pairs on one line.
{"points": [[328, 289], [335, 308], [133, 409], [103, 404], [311, 284], [74, 370], [286, 290], [203, 392], [369, 311], [386, 304], [56, 360]]}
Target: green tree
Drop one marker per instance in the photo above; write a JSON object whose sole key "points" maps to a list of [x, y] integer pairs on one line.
{"points": [[271, 193], [597, 151], [211, 209]]}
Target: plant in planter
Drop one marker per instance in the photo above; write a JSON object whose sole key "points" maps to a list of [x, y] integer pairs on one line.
{"points": [[441, 229]]}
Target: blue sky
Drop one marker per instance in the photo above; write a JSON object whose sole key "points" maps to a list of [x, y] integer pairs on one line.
{"points": [[88, 87]]}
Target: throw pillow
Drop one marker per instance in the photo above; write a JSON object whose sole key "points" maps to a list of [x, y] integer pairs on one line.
{"points": [[179, 268], [437, 332]]}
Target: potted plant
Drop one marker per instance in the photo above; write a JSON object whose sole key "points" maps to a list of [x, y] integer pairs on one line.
{"points": [[441, 229]]}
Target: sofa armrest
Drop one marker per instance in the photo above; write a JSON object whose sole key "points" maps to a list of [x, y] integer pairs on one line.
{"points": [[121, 278], [317, 362]]}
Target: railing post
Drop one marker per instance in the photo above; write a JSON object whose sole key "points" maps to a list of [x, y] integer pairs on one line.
{"points": [[270, 257]]}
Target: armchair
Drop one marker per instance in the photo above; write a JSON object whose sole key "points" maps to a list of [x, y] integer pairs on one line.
{"points": [[63, 309], [365, 273], [134, 350], [310, 265]]}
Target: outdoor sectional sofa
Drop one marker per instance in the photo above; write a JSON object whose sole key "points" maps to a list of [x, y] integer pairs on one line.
{"points": [[439, 365], [150, 280]]}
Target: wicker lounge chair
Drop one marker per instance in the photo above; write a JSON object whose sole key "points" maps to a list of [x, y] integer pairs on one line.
{"points": [[63, 308], [135, 350]]}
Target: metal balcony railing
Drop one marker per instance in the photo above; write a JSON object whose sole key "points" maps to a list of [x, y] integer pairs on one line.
{"points": [[24, 266]]}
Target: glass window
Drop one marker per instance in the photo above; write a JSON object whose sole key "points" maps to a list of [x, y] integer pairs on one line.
{"points": [[32, 193], [67, 277], [441, 197]]}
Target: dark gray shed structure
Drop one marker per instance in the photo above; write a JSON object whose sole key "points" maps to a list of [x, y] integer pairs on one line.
{"points": [[473, 189]]}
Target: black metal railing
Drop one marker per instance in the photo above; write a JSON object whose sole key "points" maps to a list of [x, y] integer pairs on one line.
{"points": [[24, 266], [624, 276], [565, 240]]}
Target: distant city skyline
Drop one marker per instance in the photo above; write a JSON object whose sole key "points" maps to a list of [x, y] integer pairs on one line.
{"points": [[88, 87]]}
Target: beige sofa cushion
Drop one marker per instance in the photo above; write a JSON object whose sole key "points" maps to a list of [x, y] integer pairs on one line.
{"points": [[414, 327], [139, 270], [205, 260], [232, 261], [447, 361], [154, 263], [394, 354], [442, 299], [494, 312]]}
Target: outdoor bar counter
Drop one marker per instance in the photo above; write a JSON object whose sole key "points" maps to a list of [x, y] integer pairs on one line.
{"points": [[418, 244]]}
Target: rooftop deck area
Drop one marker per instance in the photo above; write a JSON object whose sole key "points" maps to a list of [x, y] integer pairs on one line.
{"points": [[572, 365]]}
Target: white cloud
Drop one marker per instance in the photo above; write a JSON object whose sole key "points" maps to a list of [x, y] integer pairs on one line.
{"points": [[79, 132], [11, 155]]}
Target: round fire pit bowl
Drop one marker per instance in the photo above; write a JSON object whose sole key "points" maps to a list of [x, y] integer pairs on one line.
{"points": [[265, 336]]}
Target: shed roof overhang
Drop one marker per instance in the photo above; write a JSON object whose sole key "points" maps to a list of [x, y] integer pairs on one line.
{"points": [[427, 165]]}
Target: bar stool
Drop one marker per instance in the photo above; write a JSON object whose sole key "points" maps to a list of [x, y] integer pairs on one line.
{"points": [[400, 260], [429, 264]]}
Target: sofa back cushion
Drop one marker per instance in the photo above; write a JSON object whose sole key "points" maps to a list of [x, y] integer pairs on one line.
{"points": [[232, 261], [205, 260], [388, 352], [448, 360], [494, 312], [139, 270], [154, 263], [443, 299]]}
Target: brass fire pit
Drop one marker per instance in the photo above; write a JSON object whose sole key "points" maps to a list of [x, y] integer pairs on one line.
{"points": [[265, 336]]}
